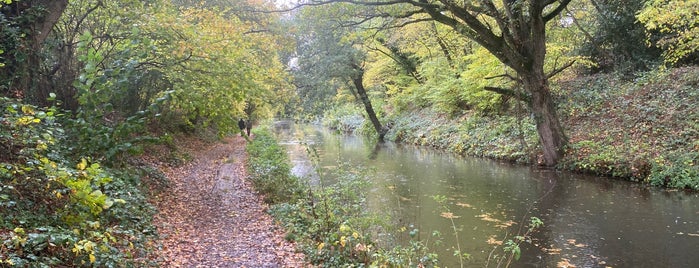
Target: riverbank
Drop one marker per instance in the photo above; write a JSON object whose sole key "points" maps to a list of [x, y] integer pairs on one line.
{"points": [[644, 129]]}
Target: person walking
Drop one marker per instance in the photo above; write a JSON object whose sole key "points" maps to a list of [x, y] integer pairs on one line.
{"points": [[241, 125]]}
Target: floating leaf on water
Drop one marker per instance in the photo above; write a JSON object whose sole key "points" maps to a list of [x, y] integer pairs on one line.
{"points": [[505, 224], [464, 205], [492, 241], [565, 263], [449, 215], [487, 217]]}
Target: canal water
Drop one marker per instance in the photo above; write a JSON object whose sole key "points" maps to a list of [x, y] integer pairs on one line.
{"points": [[588, 221]]}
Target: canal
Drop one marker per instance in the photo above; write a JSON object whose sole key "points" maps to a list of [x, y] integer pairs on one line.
{"points": [[588, 221]]}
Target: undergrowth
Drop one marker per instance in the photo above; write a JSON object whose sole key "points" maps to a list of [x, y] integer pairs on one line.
{"points": [[642, 130], [61, 211]]}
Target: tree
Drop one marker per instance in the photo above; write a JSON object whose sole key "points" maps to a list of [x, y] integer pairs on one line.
{"points": [[329, 54], [24, 26], [514, 31], [678, 25], [614, 38]]}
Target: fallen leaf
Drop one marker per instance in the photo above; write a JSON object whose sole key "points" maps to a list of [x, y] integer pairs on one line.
{"points": [[492, 241], [464, 205], [564, 263], [449, 215]]}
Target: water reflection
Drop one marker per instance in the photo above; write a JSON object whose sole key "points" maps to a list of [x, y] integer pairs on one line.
{"points": [[589, 222]]}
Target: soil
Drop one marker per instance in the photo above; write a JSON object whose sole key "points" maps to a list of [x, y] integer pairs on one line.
{"points": [[209, 215]]}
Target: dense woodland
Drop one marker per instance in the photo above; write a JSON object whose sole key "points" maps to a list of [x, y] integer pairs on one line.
{"points": [[599, 86]]}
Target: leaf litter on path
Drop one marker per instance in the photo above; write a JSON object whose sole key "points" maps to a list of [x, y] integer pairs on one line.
{"points": [[210, 216]]}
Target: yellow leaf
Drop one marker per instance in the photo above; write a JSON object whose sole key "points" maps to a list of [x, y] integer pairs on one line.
{"points": [[92, 258], [82, 165], [321, 245], [27, 110], [343, 240]]}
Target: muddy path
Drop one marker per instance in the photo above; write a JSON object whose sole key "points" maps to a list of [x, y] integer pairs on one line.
{"points": [[210, 216]]}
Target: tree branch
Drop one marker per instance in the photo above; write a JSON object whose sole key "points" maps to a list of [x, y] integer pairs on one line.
{"points": [[511, 93], [558, 70], [515, 79], [562, 5]]}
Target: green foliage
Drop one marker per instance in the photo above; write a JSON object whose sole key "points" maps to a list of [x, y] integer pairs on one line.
{"points": [[59, 213], [269, 166], [415, 254], [676, 170], [616, 39], [346, 118], [452, 94], [330, 224], [16, 45], [677, 24], [99, 127], [511, 250]]}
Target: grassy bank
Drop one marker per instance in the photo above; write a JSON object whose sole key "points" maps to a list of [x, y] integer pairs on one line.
{"points": [[643, 129]]}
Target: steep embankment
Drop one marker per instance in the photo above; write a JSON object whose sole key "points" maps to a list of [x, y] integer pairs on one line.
{"points": [[643, 129]]}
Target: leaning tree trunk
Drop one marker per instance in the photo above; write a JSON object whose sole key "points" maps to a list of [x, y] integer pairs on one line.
{"points": [[548, 125], [361, 91]]}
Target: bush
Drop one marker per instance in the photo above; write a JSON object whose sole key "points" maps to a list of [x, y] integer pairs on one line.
{"points": [[346, 118], [270, 171], [677, 170], [57, 211]]}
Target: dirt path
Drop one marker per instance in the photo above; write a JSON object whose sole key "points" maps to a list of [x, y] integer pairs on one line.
{"points": [[211, 217]]}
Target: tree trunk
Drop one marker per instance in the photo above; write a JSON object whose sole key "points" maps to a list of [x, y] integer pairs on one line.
{"points": [[548, 126], [26, 74], [361, 91]]}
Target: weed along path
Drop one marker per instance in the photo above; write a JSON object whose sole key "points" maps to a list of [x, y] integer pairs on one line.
{"points": [[209, 215]]}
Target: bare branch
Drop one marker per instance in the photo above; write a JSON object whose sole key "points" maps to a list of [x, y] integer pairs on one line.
{"points": [[515, 79], [558, 70], [510, 93], [562, 5]]}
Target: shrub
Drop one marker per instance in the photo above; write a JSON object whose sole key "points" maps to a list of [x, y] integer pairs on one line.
{"points": [[270, 171], [676, 170], [346, 118], [55, 211]]}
